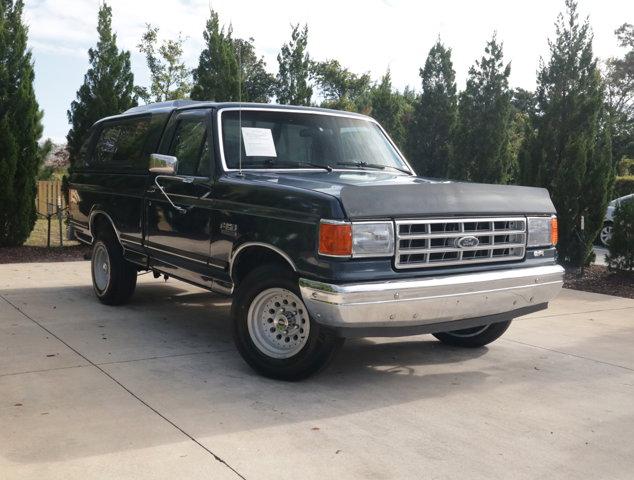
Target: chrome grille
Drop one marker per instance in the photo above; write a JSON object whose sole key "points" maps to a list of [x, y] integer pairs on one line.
{"points": [[443, 242]]}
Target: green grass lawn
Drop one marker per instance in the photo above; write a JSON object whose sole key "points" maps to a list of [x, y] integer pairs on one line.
{"points": [[38, 235]]}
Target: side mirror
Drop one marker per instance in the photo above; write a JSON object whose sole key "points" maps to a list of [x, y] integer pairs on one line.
{"points": [[163, 164]]}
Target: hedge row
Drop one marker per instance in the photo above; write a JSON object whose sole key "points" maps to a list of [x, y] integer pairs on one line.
{"points": [[621, 246], [623, 186]]}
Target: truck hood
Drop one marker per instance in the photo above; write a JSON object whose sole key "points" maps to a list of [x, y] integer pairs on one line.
{"points": [[369, 194]]}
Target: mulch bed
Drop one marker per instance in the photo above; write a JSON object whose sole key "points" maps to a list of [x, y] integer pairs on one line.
{"points": [[599, 279], [26, 254]]}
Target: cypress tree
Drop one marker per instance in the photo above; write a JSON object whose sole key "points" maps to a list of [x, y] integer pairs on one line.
{"points": [[434, 116], [216, 77], [389, 108], [523, 111], [482, 150], [569, 153], [292, 86], [108, 87], [620, 95], [20, 128], [257, 83]]}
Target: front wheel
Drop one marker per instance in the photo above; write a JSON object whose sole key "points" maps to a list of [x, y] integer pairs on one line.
{"points": [[474, 337], [273, 330]]}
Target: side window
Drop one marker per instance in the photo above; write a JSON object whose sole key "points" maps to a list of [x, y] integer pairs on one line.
{"points": [[191, 147], [122, 144], [130, 148], [106, 145]]}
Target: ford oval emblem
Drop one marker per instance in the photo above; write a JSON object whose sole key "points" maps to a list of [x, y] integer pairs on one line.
{"points": [[467, 242]]}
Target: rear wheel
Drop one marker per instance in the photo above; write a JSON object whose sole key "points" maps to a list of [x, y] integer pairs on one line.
{"points": [[113, 277], [605, 234], [273, 330], [474, 337]]}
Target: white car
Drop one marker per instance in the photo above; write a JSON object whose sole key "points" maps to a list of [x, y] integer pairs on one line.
{"points": [[606, 232]]}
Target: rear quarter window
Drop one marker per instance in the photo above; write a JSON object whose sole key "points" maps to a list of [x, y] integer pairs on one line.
{"points": [[123, 145]]}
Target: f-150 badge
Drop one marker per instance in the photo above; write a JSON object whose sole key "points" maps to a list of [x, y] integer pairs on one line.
{"points": [[229, 229]]}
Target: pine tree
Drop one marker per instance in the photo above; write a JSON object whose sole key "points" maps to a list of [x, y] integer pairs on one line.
{"points": [[20, 128], [434, 117], [292, 86], [169, 75], [482, 141], [108, 87], [570, 153]]}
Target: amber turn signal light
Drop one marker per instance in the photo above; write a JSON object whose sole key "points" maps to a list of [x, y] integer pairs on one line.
{"points": [[335, 239], [554, 231]]}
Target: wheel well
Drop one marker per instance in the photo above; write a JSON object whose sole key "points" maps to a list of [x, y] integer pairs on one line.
{"points": [[100, 224], [252, 257]]}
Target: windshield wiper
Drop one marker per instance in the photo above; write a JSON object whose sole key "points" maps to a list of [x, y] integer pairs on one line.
{"points": [[272, 163], [328, 168], [374, 166]]}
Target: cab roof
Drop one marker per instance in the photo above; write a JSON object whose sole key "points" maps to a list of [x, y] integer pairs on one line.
{"points": [[170, 106]]}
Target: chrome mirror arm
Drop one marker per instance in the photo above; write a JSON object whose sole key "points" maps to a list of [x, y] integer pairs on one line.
{"points": [[160, 187]]}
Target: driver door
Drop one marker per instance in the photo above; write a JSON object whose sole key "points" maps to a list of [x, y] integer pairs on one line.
{"points": [[178, 235]]}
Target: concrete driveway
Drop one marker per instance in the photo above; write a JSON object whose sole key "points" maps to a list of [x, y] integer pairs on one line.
{"points": [[156, 390]]}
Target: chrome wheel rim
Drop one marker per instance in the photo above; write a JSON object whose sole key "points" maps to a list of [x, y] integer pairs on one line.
{"points": [[606, 234], [101, 267], [278, 323], [469, 332]]}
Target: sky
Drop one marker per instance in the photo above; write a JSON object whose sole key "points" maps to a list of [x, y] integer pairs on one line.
{"points": [[364, 35]]}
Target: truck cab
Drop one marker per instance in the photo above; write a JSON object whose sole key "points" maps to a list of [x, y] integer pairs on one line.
{"points": [[313, 222]]}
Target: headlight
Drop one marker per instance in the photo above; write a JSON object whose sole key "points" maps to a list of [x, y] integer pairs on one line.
{"points": [[357, 239], [542, 231], [372, 239]]}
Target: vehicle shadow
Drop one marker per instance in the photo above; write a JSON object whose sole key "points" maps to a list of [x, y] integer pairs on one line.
{"points": [[201, 384], [213, 311]]}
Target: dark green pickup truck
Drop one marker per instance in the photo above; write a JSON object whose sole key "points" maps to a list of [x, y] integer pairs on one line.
{"points": [[313, 222]]}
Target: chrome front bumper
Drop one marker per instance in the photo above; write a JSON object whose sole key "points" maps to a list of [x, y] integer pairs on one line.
{"points": [[431, 300]]}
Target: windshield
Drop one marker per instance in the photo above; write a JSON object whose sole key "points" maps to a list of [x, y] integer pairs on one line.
{"points": [[281, 139]]}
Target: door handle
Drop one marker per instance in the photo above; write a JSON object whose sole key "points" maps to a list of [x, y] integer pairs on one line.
{"points": [[151, 189]]}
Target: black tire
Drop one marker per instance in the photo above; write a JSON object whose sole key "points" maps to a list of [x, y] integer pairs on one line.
{"points": [[318, 348], [474, 337], [121, 276]]}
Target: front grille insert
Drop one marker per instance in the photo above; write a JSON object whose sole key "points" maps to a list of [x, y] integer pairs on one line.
{"points": [[459, 241]]}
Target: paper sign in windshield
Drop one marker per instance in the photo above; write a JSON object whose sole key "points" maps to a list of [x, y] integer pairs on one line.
{"points": [[258, 142]]}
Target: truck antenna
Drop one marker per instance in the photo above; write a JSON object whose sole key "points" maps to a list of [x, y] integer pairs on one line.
{"points": [[240, 109]]}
